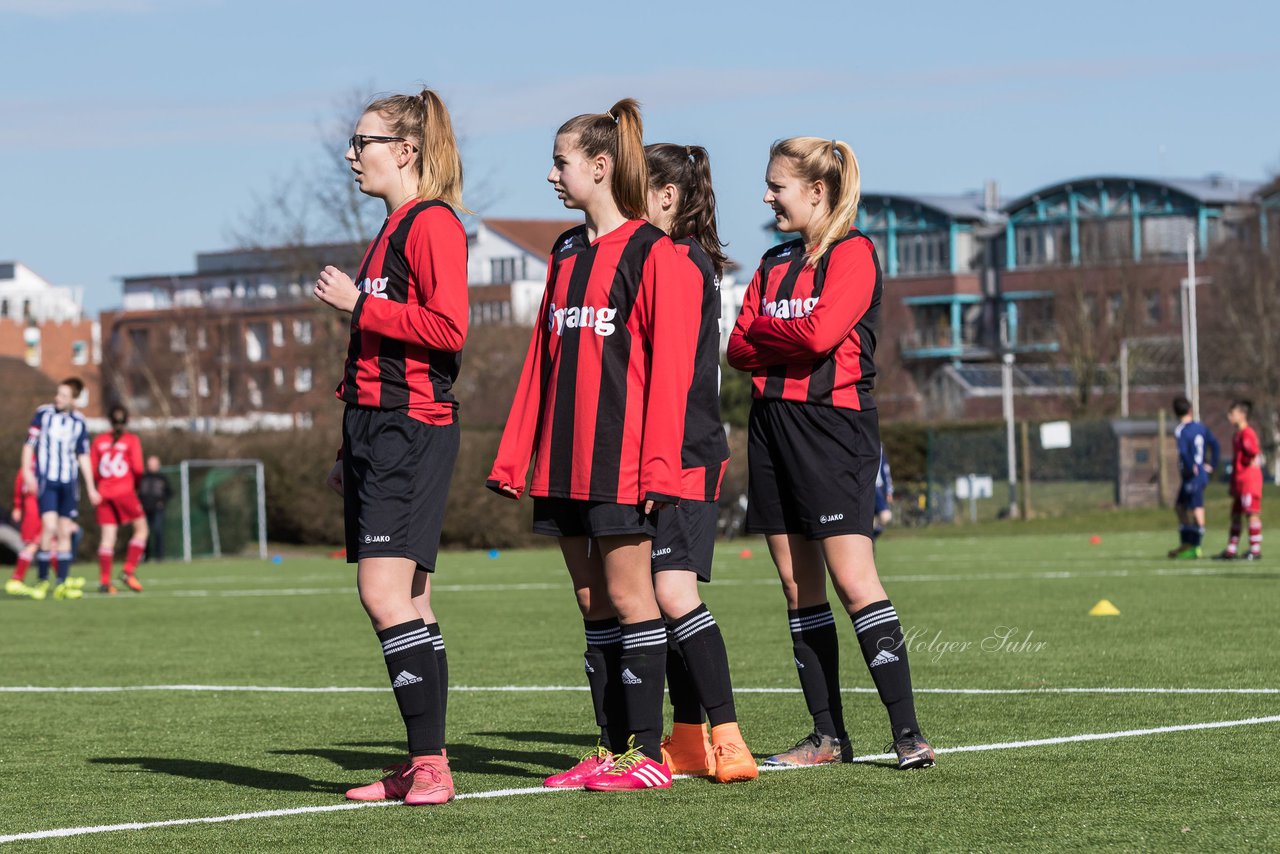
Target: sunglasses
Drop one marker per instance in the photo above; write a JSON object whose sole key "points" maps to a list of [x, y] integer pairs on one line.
{"points": [[360, 140]]}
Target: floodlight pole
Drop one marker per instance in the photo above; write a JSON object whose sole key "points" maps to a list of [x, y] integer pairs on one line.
{"points": [[1193, 343], [1006, 376], [1124, 378], [1190, 331]]}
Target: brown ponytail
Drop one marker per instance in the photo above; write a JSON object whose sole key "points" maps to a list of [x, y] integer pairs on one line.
{"points": [[618, 133], [833, 162], [688, 168], [424, 120]]}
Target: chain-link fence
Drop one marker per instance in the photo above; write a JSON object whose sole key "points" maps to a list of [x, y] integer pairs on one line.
{"points": [[1072, 467]]}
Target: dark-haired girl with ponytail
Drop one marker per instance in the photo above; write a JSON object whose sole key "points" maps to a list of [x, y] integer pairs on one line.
{"points": [[682, 202], [807, 334], [600, 408], [408, 316]]}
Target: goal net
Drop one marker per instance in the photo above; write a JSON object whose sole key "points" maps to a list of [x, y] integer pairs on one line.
{"points": [[223, 508]]}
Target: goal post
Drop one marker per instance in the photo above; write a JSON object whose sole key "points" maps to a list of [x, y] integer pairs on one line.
{"points": [[224, 507]]}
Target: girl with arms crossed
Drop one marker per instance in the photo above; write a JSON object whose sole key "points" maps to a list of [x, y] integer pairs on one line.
{"points": [[807, 333], [408, 308]]}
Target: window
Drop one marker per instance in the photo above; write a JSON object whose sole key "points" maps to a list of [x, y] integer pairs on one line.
{"points": [[302, 331], [79, 352], [278, 376], [177, 339], [178, 386], [202, 338], [1153, 313], [302, 380], [202, 385], [255, 342], [1089, 306], [505, 269], [255, 392], [1115, 307], [1141, 456], [277, 333]]}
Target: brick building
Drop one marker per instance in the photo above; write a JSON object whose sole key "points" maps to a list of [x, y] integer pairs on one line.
{"points": [[44, 326]]}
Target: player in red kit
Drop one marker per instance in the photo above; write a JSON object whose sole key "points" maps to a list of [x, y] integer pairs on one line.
{"points": [[407, 312], [1246, 484], [600, 410], [26, 515], [807, 333], [117, 464]]}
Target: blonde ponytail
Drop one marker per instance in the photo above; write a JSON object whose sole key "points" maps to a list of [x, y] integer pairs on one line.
{"points": [[424, 119], [832, 162]]}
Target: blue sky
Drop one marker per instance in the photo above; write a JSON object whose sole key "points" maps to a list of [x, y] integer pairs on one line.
{"points": [[139, 132]]}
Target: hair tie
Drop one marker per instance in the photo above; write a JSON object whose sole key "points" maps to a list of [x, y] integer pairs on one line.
{"points": [[688, 151], [612, 116]]}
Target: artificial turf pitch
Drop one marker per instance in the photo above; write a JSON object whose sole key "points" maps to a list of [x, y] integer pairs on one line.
{"points": [[91, 759]]}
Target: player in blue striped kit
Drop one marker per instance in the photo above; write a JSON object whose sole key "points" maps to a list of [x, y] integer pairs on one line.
{"points": [[58, 445]]}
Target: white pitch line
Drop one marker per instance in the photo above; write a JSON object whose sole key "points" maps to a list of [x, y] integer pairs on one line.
{"points": [[555, 689], [540, 790], [917, 578], [911, 578]]}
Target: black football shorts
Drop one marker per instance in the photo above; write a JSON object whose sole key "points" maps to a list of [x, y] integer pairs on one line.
{"points": [[395, 474], [811, 469]]}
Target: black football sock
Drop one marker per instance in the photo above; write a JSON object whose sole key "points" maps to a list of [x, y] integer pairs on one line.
{"points": [[644, 668], [415, 678], [686, 708], [880, 636], [602, 663], [702, 647], [442, 667], [816, 649]]}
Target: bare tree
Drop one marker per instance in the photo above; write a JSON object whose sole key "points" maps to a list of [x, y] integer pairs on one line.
{"points": [[1240, 327], [318, 202], [1094, 313]]}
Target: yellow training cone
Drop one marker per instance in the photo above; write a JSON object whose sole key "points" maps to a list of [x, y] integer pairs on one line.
{"points": [[1104, 609]]}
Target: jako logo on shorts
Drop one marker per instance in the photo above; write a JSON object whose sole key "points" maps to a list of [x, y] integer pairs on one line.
{"points": [[586, 317], [834, 517], [378, 538]]}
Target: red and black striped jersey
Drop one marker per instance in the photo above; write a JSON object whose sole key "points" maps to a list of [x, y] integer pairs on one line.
{"points": [[705, 454], [410, 321], [808, 334], [601, 399]]}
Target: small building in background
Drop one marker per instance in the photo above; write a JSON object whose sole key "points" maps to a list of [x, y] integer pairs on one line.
{"points": [[1140, 448], [44, 325]]}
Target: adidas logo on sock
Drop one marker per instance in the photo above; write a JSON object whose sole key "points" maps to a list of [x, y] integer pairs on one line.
{"points": [[885, 657], [587, 665], [629, 678], [405, 678], [799, 664]]}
